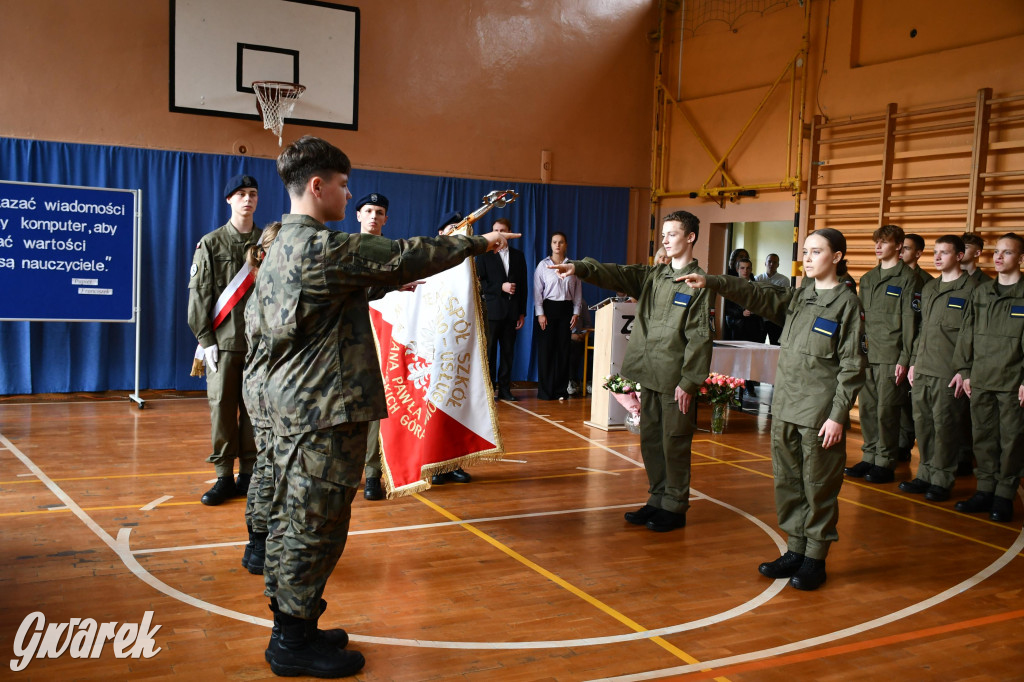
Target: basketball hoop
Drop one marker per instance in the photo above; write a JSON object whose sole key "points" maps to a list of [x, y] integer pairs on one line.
{"points": [[275, 101]]}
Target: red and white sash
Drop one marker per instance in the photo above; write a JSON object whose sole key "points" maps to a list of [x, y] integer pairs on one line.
{"points": [[233, 293]]}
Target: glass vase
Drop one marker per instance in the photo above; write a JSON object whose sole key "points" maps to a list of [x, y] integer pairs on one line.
{"points": [[719, 411]]}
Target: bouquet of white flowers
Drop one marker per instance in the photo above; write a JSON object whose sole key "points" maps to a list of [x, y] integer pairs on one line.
{"points": [[627, 393]]}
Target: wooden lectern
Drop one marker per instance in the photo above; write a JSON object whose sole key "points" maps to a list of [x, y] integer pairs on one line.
{"points": [[613, 323]]}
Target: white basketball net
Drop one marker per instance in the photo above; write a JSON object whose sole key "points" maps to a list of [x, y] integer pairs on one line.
{"points": [[276, 100]]}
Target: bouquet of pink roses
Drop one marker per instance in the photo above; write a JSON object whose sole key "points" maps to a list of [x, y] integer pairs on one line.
{"points": [[627, 393], [720, 389]]}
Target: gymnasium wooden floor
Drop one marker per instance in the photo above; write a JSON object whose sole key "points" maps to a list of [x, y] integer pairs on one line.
{"points": [[528, 573]]}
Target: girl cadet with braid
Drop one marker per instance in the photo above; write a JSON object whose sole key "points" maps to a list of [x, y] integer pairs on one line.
{"points": [[821, 369], [261, 487]]}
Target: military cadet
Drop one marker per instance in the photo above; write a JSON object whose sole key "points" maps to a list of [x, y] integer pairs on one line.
{"points": [[219, 287], [974, 246], [254, 374], [990, 360], [887, 294], [821, 368], [323, 385], [938, 413], [669, 354], [910, 254]]}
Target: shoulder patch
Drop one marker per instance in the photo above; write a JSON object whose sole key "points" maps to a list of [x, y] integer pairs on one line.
{"points": [[916, 303], [193, 271]]}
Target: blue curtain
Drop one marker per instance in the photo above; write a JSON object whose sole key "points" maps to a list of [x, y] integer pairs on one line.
{"points": [[182, 199]]}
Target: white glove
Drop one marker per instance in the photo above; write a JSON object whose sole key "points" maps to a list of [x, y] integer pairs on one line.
{"points": [[212, 354]]}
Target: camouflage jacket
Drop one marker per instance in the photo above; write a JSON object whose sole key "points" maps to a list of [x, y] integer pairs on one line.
{"points": [[322, 362], [218, 258], [254, 375]]}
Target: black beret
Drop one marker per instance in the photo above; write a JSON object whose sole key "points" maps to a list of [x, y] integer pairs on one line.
{"points": [[374, 199], [238, 182], [448, 219]]}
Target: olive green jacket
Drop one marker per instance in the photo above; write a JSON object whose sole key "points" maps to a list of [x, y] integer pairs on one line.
{"points": [[990, 347], [821, 367], [891, 299], [322, 367], [670, 344], [218, 258], [944, 306]]}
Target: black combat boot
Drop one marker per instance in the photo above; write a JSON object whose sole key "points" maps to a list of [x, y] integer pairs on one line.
{"points": [[242, 484], [335, 637], [258, 556], [785, 566], [222, 490], [299, 651], [810, 575], [248, 547]]}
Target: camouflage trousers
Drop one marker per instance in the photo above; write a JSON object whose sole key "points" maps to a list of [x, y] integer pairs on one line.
{"points": [[261, 487], [317, 475]]}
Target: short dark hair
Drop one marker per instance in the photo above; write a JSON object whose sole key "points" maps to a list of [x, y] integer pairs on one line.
{"points": [[1013, 236], [957, 242], [917, 239], [504, 221], [307, 157], [973, 240], [689, 221], [887, 232], [837, 242]]}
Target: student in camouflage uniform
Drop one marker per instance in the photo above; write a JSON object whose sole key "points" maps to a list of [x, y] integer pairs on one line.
{"points": [[821, 368], [990, 358], [218, 258], [669, 354], [974, 247], [323, 386], [261, 487], [887, 294], [910, 254], [938, 413]]}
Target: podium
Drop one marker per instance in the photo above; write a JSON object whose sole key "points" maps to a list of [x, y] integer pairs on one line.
{"points": [[613, 323]]}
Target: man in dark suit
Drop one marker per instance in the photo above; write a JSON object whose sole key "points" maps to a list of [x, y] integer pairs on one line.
{"points": [[503, 286]]}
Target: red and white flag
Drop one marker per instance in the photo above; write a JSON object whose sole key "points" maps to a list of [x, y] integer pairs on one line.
{"points": [[433, 358]]}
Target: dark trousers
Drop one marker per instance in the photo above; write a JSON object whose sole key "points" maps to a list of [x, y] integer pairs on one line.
{"points": [[503, 333], [553, 348]]}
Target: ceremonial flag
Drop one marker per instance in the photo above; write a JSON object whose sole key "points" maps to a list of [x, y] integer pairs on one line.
{"points": [[433, 359]]}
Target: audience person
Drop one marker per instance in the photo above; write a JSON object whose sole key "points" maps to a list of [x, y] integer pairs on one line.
{"points": [[503, 282], [557, 302]]}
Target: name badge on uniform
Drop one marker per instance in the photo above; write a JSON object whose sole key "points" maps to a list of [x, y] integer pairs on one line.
{"points": [[1017, 311], [825, 327], [682, 300], [957, 303], [893, 290]]}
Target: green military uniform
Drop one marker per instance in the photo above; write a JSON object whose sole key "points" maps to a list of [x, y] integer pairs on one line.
{"points": [[938, 414], [907, 435], [372, 466], [323, 385], [990, 352], [965, 457], [670, 346], [820, 371], [890, 326], [218, 258], [979, 276]]}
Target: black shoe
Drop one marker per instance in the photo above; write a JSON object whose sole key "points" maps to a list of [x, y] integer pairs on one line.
{"points": [[222, 490], [936, 493], [810, 575], [641, 515], [248, 548], [785, 566], [917, 486], [664, 521], [964, 468], [242, 484], [903, 454], [335, 637], [858, 470], [459, 476], [979, 502], [505, 394], [1002, 509], [300, 649], [258, 557], [879, 474], [438, 479], [373, 491]]}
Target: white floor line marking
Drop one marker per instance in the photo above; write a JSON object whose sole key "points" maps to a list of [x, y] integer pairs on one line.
{"points": [[212, 480], [121, 548], [156, 502], [517, 461], [961, 587], [56, 507], [599, 471], [20, 475], [544, 418], [421, 526]]}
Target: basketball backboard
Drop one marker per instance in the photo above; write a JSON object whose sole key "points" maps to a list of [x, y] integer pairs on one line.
{"points": [[219, 47]]}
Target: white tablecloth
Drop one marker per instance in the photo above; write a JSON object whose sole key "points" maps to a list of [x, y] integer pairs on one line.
{"points": [[746, 360]]}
